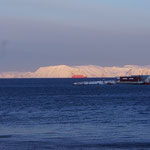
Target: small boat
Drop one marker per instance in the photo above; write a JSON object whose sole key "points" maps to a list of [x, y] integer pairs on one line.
{"points": [[109, 82]]}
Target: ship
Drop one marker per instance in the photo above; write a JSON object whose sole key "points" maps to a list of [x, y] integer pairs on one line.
{"points": [[108, 82], [141, 79], [138, 80], [79, 76]]}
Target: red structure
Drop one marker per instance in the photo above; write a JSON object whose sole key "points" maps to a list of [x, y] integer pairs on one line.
{"points": [[79, 76]]}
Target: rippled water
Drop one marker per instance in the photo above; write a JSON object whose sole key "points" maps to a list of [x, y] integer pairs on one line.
{"points": [[54, 114]]}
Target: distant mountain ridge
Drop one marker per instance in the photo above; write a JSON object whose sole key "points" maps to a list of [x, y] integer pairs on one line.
{"points": [[64, 71]]}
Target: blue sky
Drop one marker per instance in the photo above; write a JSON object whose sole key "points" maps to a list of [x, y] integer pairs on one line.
{"points": [[50, 32]]}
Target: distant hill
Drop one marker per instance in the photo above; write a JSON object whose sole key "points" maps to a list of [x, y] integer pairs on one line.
{"points": [[64, 71]]}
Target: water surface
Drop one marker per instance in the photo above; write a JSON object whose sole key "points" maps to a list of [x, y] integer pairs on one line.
{"points": [[54, 114]]}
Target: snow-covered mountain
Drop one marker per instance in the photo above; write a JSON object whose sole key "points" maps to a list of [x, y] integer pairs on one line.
{"points": [[64, 71]]}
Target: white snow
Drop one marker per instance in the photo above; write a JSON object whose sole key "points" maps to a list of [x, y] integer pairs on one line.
{"points": [[64, 71]]}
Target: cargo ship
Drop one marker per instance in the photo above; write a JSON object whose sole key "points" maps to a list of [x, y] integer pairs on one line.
{"points": [[79, 76]]}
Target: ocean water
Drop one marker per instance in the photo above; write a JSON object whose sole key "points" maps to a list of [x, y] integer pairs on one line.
{"points": [[45, 114]]}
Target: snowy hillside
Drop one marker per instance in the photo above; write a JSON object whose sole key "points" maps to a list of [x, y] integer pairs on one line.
{"points": [[63, 71]]}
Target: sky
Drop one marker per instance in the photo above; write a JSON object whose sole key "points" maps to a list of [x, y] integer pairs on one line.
{"points": [[35, 33]]}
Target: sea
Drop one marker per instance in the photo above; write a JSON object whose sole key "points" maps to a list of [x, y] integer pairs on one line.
{"points": [[53, 114]]}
